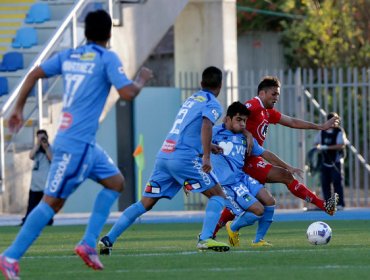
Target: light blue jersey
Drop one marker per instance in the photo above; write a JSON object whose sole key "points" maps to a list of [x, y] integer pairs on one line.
{"points": [[240, 189], [179, 163], [88, 74], [228, 166], [184, 139]]}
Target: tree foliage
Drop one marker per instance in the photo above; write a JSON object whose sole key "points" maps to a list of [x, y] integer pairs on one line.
{"points": [[332, 32]]}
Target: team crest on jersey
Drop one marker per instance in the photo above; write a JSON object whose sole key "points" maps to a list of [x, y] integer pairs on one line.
{"points": [[248, 105], [262, 129], [190, 185], [152, 187], [88, 56]]}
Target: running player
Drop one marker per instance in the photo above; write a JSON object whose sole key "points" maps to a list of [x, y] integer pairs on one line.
{"points": [[262, 114], [88, 73], [248, 199], [184, 161]]}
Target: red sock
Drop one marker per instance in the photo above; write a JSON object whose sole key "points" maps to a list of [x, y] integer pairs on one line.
{"points": [[301, 191], [226, 216]]}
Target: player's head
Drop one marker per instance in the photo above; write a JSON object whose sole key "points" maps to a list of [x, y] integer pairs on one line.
{"points": [[236, 116], [212, 80], [98, 26], [269, 91]]}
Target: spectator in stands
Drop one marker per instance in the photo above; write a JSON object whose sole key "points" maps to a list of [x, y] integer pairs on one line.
{"points": [[331, 143], [41, 155], [88, 72]]}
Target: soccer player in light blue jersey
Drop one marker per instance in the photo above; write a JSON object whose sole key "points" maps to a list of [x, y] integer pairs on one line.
{"points": [[247, 198], [88, 73], [184, 161]]}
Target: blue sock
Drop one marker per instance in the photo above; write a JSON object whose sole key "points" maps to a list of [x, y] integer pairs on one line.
{"points": [[127, 218], [213, 213], [243, 220], [99, 216], [35, 223], [265, 223]]}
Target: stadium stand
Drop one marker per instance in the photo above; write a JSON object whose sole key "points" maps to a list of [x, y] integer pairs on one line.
{"points": [[38, 13], [3, 86], [12, 61], [26, 37]]}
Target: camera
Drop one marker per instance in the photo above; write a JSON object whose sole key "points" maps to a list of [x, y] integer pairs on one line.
{"points": [[44, 139]]}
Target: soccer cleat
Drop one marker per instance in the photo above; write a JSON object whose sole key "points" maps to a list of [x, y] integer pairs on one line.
{"points": [[10, 270], [105, 246], [89, 256], [331, 204], [261, 243], [211, 244], [233, 235]]}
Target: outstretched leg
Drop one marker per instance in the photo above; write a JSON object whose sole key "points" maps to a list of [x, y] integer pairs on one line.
{"points": [[281, 175]]}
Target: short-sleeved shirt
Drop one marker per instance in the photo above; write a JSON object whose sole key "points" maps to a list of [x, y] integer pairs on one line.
{"points": [[40, 170], [184, 138], [228, 166], [260, 118], [88, 74]]}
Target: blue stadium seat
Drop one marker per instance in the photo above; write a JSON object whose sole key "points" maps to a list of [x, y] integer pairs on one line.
{"points": [[38, 13], [26, 37], [12, 61], [3, 86], [91, 7]]}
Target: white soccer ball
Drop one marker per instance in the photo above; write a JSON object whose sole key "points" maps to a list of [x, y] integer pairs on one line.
{"points": [[318, 233]]}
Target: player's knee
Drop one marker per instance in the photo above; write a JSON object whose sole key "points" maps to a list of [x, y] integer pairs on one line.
{"points": [[270, 201], [257, 209]]}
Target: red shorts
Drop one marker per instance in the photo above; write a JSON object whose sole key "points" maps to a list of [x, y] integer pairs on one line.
{"points": [[257, 168]]}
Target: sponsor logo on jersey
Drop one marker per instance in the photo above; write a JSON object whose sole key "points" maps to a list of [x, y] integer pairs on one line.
{"points": [[168, 146], [199, 98], [88, 56], [65, 121], [198, 167], [59, 174]]}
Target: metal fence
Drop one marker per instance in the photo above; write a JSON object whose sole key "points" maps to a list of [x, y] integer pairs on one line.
{"points": [[307, 94]]}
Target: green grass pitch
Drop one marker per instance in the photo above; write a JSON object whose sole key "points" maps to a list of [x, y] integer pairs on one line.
{"points": [[167, 251]]}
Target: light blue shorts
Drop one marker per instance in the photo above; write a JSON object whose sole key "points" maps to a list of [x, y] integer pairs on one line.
{"points": [[242, 195], [70, 167], [170, 175]]}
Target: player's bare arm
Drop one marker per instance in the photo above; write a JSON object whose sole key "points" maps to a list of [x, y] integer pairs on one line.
{"points": [[275, 160], [250, 142], [206, 143], [16, 116], [131, 91], [302, 124]]}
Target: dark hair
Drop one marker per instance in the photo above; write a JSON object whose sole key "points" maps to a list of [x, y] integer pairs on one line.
{"points": [[268, 82], [332, 114], [237, 108], [211, 77], [98, 26], [42, 131]]}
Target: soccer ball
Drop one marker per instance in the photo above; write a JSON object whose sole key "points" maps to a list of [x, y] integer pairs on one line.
{"points": [[318, 233]]}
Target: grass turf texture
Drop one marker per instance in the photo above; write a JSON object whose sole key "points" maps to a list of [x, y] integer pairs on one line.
{"points": [[167, 251]]}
